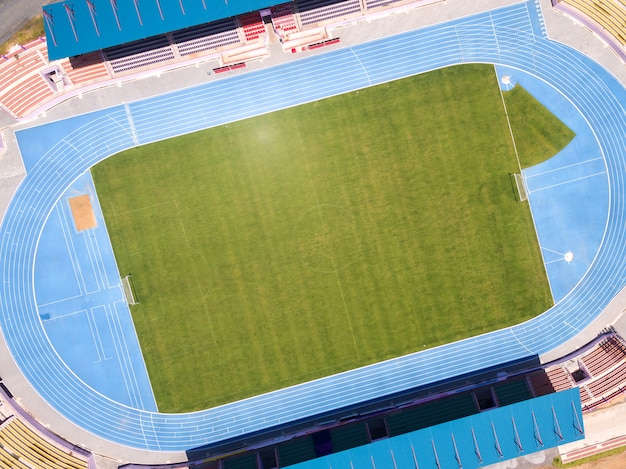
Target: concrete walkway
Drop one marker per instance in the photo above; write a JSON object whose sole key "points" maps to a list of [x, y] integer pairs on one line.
{"points": [[12, 171], [605, 429]]}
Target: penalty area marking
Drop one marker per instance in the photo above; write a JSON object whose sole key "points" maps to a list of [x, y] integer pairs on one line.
{"points": [[508, 121], [567, 257]]}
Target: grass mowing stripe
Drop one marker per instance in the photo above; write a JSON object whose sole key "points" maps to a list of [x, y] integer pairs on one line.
{"points": [[539, 133], [313, 240]]}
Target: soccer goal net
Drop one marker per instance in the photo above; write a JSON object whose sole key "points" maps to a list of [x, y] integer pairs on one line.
{"points": [[129, 290], [521, 187]]}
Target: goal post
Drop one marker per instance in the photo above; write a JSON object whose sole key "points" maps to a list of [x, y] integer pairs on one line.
{"points": [[129, 290], [521, 187]]}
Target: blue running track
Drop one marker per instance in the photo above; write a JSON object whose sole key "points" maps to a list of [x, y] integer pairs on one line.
{"points": [[82, 305], [511, 36]]}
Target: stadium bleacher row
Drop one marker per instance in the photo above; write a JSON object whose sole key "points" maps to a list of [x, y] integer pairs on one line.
{"points": [[22, 87], [205, 37], [283, 19], [313, 12], [24, 445], [139, 54], [19, 441], [86, 68], [599, 373], [608, 14], [252, 26], [372, 4], [28, 81]]}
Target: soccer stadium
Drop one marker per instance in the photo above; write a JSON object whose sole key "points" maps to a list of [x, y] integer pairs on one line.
{"points": [[314, 234]]}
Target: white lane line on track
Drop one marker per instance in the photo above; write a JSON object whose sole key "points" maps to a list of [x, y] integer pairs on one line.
{"points": [[552, 186]]}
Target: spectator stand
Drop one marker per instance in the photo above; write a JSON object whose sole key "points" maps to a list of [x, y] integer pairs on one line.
{"points": [[253, 43], [284, 20], [177, 48], [605, 18], [86, 69], [22, 78], [371, 6], [139, 54], [29, 82], [319, 12], [205, 38], [26, 440], [252, 27], [598, 370]]}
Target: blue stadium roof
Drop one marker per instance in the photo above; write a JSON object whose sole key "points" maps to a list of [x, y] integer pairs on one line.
{"points": [[471, 442], [75, 27]]}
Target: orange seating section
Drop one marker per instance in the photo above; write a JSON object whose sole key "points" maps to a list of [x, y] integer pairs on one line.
{"points": [[603, 357], [86, 68], [613, 379], [22, 86], [559, 378]]}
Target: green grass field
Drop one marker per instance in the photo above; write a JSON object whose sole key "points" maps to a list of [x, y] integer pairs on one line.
{"points": [[317, 239], [538, 133]]}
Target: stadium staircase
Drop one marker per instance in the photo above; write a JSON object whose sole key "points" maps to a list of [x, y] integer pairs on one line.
{"points": [[283, 19]]}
